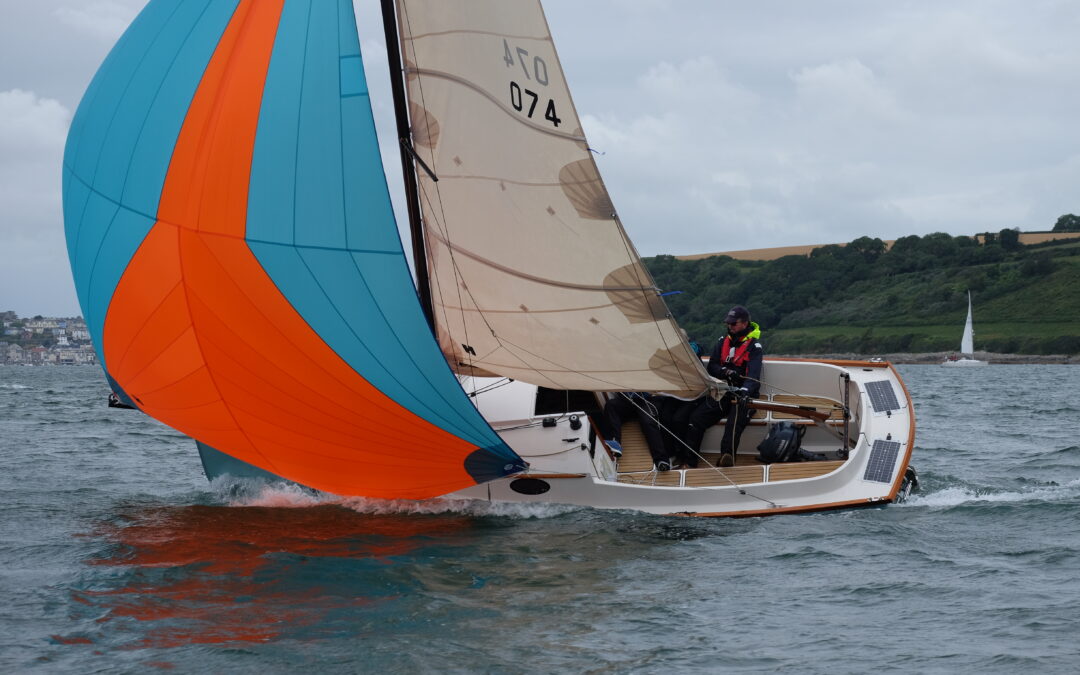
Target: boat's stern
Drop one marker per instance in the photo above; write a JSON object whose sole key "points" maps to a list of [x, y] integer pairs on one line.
{"points": [[863, 445]]}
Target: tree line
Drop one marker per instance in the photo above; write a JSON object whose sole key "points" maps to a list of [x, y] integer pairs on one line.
{"points": [[811, 303]]}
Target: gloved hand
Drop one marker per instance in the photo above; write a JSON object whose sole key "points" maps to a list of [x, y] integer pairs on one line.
{"points": [[741, 393], [726, 373]]}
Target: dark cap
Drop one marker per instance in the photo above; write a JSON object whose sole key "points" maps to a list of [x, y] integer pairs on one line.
{"points": [[737, 313]]}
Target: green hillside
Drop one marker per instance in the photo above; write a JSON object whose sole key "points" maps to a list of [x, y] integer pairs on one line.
{"points": [[865, 299]]}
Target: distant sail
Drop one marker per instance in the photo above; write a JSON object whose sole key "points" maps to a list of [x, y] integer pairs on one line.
{"points": [[237, 260], [533, 276], [967, 343]]}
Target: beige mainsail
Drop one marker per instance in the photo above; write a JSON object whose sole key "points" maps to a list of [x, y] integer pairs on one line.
{"points": [[532, 274]]}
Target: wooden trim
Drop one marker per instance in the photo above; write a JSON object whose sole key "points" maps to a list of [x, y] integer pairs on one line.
{"points": [[835, 362], [827, 408], [651, 478], [856, 503], [602, 440], [792, 410], [796, 470], [548, 476], [899, 479], [733, 475]]}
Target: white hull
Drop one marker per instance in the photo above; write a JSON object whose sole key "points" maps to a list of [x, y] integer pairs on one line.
{"points": [[566, 468], [963, 363]]}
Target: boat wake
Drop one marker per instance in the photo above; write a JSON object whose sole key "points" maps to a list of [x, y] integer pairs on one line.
{"points": [[958, 495], [256, 493], [471, 507]]}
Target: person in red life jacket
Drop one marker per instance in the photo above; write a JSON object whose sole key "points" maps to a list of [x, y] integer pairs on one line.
{"points": [[736, 359]]}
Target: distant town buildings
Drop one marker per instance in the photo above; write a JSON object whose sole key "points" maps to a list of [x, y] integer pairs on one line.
{"points": [[43, 341]]}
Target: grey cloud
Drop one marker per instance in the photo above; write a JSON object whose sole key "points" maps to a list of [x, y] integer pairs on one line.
{"points": [[103, 20], [723, 125]]}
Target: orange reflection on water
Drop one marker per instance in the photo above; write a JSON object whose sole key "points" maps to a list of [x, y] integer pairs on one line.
{"points": [[205, 575]]}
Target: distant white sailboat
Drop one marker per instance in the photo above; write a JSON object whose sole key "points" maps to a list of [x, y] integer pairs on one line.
{"points": [[967, 345]]}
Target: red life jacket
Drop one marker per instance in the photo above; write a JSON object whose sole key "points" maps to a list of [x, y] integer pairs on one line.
{"points": [[742, 352]]}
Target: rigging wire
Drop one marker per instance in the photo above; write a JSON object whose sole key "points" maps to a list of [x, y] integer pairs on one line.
{"points": [[441, 223], [490, 387], [439, 220], [655, 417], [763, 383], [638, 269]]}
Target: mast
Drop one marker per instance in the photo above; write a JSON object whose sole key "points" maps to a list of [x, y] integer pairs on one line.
{"points": [[408, 169]]}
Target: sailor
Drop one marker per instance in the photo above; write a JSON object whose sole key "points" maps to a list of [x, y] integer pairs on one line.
{"points": [[736, 359], [698, 351], [674, 417], [637, 405], [674, 420]]}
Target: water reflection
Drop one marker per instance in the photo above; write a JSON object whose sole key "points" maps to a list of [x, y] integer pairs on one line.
{"points": [[211, 574]]}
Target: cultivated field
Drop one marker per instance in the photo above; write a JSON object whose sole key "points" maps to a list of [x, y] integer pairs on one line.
{"points": [[1026, 238]]}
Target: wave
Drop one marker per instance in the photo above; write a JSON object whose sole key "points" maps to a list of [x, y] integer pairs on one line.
{"points": [[13, 386], [956, 496], [1069, 450], [255, 493]]}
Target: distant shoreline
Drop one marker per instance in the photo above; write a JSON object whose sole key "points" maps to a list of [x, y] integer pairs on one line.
{"points": [[928, 358], [938, 357]]}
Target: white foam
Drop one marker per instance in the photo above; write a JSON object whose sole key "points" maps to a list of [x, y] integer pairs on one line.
{"points": [[286, 496], [280, 496], [473, 507], [954, 496], [13, 386]]}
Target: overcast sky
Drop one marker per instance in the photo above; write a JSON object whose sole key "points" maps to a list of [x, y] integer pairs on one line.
{"points": [[723, 125]]}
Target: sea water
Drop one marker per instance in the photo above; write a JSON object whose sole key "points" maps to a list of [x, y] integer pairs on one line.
{"points": [[117, 556]]}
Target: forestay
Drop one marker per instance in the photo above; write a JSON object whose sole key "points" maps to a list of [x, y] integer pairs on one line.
{"points": [[532, 274]]}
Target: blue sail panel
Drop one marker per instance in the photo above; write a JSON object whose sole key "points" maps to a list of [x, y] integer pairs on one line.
{"points": [[351, 282], [122, 138], [237, 260]]}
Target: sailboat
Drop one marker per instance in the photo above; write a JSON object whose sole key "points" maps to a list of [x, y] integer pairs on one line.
{"points": [[967, 345], [237, 259]]}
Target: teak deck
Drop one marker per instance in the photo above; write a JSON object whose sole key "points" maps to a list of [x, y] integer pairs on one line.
{"points": [[636, 466]]}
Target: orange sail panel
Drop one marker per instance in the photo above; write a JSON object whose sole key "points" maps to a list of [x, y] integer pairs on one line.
{"points": [[256, 354]]}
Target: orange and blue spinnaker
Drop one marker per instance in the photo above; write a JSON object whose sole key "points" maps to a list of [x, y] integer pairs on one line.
{"points": [[237, 259]]}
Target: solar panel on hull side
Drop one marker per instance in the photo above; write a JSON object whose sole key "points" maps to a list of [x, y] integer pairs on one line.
{"points": [[882, 396], [882, 460]]}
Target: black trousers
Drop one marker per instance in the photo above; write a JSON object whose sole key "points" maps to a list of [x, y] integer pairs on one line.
{"points": [[675, 418], [619, 408], [709, 412]]}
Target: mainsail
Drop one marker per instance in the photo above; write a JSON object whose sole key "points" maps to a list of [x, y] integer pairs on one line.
{"points": [[532, 274], [967, 343], [237, 260]]}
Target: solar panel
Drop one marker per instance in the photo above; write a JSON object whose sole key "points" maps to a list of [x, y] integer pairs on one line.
{"points": [[882, 460], [882, 396]]}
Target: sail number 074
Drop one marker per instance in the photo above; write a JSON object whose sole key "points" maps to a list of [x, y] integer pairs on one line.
{"points": [[535, 70]]}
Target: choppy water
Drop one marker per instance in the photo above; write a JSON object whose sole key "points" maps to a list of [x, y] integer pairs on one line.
{"points": [[117, 556]]}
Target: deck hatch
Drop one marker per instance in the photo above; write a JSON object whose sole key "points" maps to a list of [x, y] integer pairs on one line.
{"points": [[882, 460], [882, 396]]}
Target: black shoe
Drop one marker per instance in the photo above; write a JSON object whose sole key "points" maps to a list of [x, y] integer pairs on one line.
{"points": [[663, 465], [726, 459]]}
